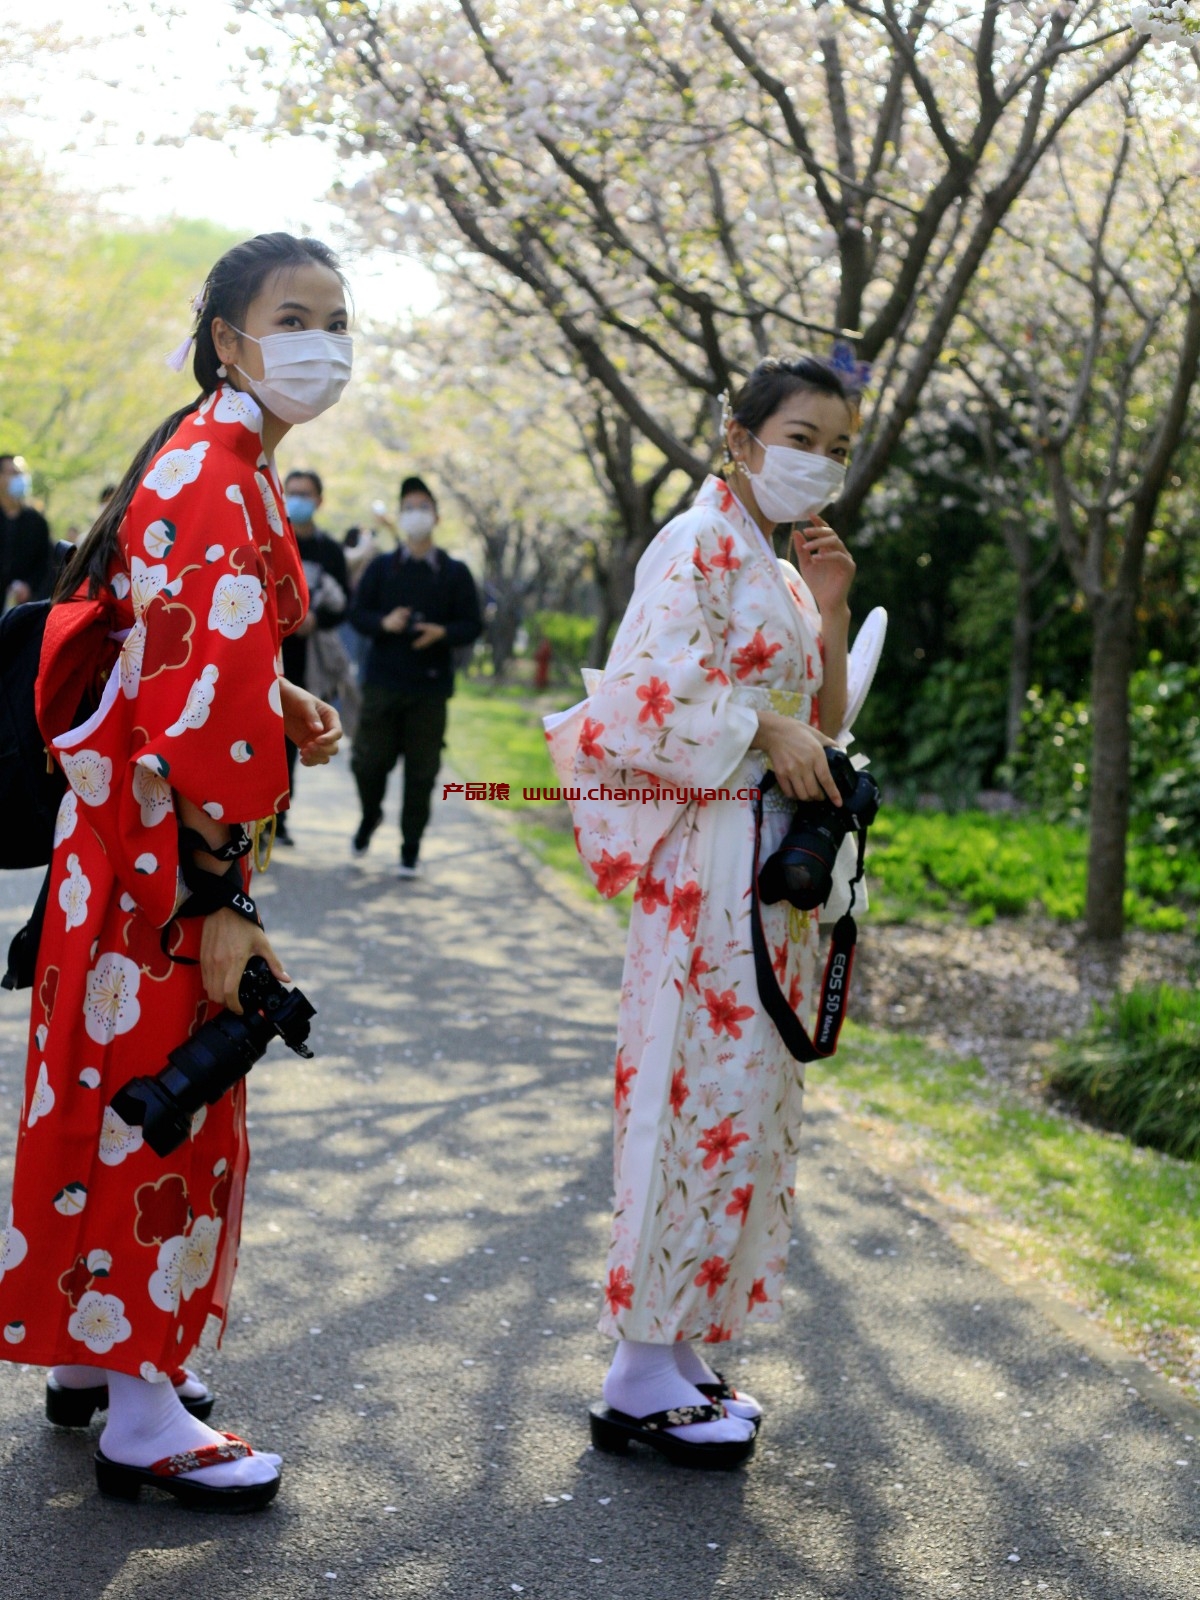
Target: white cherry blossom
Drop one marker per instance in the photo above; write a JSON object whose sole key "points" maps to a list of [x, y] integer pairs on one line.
{"points": [[111, 1006], [89, 774], [13, 1246], [99, 1322], [196, 707], [117, 1139], [153, 794], [237, 603], [73, 893], [175, 470], [146, 582], [185, 1264], [68, 816], [41, 1102]]}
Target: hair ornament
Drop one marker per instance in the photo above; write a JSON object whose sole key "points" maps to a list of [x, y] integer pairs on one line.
{"points": [[177, 360]]}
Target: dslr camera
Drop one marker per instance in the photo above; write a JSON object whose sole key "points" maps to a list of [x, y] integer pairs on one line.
{"points": [[207, 1065], [801, 870]]}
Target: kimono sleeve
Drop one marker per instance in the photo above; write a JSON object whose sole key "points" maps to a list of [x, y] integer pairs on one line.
{"points": [[662, 712], [193, 704]]}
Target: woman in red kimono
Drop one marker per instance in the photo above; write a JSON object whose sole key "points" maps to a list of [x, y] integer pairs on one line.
{"points": [[169, 624]]}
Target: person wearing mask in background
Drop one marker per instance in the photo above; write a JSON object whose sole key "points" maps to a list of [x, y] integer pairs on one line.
{"points": [[24, 537], [417, 605], [328, 589]]}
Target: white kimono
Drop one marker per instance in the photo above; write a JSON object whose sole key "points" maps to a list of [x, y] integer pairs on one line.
{"points": [[708, 1099]]}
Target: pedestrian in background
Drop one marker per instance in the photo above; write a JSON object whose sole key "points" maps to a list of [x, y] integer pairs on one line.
{"points": [[328, 594], [24, 536], [417, 605]]}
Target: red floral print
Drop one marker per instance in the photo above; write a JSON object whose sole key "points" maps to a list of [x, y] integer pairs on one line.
{"points": [[724, 1013], [725, 558], [795, 992], [589, 740], [613, 872], [712, 1275], [739, 1204], [779, 959], [720, 1142], [755, 657], [697, 969], [757, 1295], [685, 907], [624, 1077], [714, 674], [656, 701], [618, 1291], [716, 1334], [679, 1090], [699, 564], [651, 892], [162, 1209]]}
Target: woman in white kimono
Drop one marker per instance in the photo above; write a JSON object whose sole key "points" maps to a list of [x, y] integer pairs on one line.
{"points": [[728, 661]]}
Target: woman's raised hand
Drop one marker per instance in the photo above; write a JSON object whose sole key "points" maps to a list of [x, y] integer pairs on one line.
{"points": [[313, 727], [226, 944], [797, 755]]}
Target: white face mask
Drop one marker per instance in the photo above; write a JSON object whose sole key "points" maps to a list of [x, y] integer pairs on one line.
{"points": [[793, 484], [304, 372], [417, 523]]}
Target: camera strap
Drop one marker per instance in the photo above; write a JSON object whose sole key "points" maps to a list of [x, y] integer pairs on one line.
{"points": [[211, 891], [835, 985]]}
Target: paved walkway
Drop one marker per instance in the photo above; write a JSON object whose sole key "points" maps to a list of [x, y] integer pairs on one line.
{"points": [[413, 1324]]}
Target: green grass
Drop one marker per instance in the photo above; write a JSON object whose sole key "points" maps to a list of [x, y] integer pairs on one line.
{"points": [[1119, 1222]]}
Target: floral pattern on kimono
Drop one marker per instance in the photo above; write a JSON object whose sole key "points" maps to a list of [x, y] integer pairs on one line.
{"points": [[707, 1099], [114, 1256]]}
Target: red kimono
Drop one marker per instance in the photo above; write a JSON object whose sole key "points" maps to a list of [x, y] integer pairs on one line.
{"points": [[112, 1256]]}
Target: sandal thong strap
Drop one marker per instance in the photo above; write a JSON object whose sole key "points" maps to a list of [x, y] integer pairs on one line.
{"points": [[719, 1389], [681, 1417], [209, 1455]]}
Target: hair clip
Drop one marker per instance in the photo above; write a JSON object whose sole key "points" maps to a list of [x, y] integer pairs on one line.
{"points": [[726, 410], [177, 360]]}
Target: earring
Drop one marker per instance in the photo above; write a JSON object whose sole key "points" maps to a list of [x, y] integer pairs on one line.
{"points": [[222, 371]]}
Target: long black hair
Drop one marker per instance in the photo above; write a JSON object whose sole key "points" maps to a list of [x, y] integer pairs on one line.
{"points": [[775, 378], [229, 290]]}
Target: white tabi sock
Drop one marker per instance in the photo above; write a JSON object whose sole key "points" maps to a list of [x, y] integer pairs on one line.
{"points": [[146, 1422], [644, 1379], [75, 1377], [693, 1367]]}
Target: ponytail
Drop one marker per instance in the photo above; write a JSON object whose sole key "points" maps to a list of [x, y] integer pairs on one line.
{"points": [[231, 287]]}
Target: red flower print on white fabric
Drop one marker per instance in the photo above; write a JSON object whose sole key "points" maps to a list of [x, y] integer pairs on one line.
{"points": [[712, 1275], [779, 959], [589, 736], [656, 701], [716, 1334], [685, 907], [697, 969], [739, 1204], [724, 1013], [725, 559], [624, 1077], [757, 1295], [755, 657], [720, 1142], [613, 872], [651, 892], [699, 563], [679, 1090], [714, 674], [618, 1291]]}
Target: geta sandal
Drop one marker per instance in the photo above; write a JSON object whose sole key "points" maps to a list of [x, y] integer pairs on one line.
{"points": [[75, 1408], [722, 1390], [171, 1474], [614, 1432]]}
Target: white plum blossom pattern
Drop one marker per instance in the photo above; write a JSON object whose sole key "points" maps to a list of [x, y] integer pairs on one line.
{"points": [[146, 863], [200, 698], [240, 751], [214, 553], [99, 1322], [117, 1139], [89, 774], [41, 1102], [153, 794], [185, 1263], [158, 538], [68, 815], [149, 1373], [234, 406], [270, 506], [13, 1247], [237, 603], [275, 698], [129, 662], [120, 584], [73, 893], [175, 469], [145, 582], [111, 1006], [235, 497], [89, 1078]]}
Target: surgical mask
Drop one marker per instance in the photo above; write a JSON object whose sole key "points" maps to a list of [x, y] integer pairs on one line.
{"points": [[19, 485], [300, 507], [417, 524], [794, 484], [304, 372]]}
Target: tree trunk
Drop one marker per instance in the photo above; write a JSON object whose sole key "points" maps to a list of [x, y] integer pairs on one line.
{"points": [[1021, 647], [502, 633], [1114, 624]]}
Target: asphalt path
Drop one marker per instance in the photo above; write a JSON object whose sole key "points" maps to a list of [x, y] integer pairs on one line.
{"points": [[414, 1320]]}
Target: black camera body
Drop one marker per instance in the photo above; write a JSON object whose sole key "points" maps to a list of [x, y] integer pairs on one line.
{"points": [[416, 619], [207, 1065], [801, 870]]}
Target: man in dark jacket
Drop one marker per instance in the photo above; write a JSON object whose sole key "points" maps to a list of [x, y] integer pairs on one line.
{"points": [[24, 537], [417, 605]]}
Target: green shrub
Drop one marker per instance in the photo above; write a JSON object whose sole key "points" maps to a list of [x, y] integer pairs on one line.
{"points": [[570, 637], [1136, 1068]]}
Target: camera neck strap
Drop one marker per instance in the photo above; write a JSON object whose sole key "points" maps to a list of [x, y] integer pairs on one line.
{"points": [[835, 985]]}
